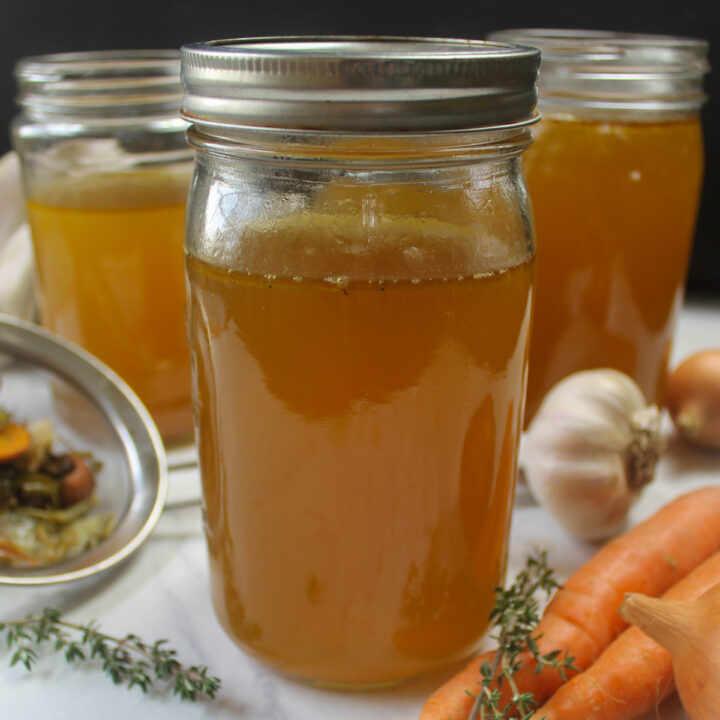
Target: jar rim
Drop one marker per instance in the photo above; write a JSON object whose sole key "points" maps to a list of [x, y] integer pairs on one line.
{"points": [[105, 83], [362, 150], [616, 70], [567, 42], [357, 83]]}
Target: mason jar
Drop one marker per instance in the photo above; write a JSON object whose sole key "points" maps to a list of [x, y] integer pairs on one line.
{"points": [[615, 177], [360, 272], [106, 170]]}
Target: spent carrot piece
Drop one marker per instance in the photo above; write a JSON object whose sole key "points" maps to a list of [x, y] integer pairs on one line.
{"points": [[10, 552], [634, 674], [78, 484], [14, 441], [582, 617]]}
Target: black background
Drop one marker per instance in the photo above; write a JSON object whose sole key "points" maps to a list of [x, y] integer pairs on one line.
{"points": [[29, 27]]}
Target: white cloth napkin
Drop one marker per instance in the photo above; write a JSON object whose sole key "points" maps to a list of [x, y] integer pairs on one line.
{"points": [[17, 296]]}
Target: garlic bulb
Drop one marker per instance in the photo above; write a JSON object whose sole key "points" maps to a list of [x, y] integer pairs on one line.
{"points": [[691, 633], [592, 444]]}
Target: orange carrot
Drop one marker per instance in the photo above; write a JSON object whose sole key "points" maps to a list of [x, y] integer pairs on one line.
{"points": [[582, 617], [634, 674], [14, 441]]}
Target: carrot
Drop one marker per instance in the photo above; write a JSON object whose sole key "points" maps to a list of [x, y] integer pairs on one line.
{"points": [[10, 552], [634, 674], [14, 441], [582, 617]]}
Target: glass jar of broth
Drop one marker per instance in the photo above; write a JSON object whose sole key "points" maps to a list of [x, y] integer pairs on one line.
{"points": [[106, 169], [360, 267], [615, 176]]}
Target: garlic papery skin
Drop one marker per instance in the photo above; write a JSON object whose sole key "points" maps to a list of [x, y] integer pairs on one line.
{"points": [[690, 631], [592, 445]]}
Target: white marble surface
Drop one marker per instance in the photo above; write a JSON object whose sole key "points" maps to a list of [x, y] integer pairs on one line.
{"points": [[163, 593]]}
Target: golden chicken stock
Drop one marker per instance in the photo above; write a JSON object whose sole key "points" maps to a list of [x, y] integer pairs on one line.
{"points": [[357, 441], [615, 206], [109, 255]]}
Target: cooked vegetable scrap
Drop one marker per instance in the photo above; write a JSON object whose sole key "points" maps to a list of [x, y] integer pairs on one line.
{"points": [[14, 442], [582, 620], [46, 497], [635, 673], [693, 398]]}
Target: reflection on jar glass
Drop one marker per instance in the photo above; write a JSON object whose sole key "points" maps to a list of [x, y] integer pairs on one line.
{"points": [[106, 171], [360, 289], [614, 177]]}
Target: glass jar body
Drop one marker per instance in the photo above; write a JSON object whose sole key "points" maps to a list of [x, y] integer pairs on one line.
{"points": [[358, 317], [615, 197], [106, 200]]}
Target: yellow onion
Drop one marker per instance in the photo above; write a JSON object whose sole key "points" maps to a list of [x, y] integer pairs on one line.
{"points": [[693, 399], [690, 632]]}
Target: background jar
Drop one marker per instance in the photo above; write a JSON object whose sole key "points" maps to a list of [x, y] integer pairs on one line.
{"points": [[106, 169], [360, 271], [614, 176]]}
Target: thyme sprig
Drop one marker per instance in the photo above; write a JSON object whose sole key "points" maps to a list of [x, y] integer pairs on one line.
{"points": [[515, 616], [127, 661]]}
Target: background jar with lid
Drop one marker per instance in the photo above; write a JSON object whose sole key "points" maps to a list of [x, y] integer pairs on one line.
{"points": [[614, 176], [360, 267], [106, 169]]}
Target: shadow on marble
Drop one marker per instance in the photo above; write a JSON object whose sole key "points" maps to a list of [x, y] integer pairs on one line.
{"points": [[682, 458], [17, 601]]}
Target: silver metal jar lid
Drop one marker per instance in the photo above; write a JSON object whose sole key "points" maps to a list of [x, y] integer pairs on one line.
{"points": [[104, 83], [358, 84], [623, 71]]}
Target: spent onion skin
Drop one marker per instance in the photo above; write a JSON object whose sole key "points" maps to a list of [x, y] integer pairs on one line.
{"points": [[693, 398], [690, 632], [592, 445]]}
